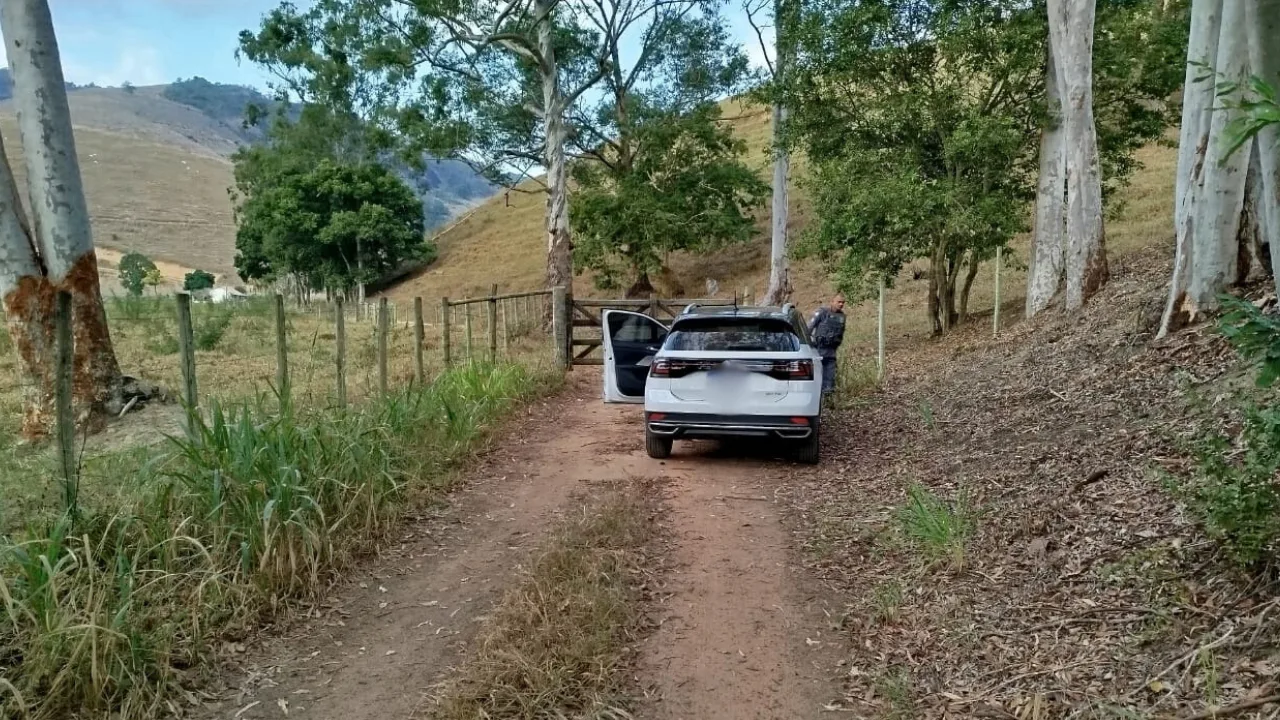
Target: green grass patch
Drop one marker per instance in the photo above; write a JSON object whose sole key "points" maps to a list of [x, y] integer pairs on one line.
{"points": [[937, 528], [117, 608], [556, 645]]}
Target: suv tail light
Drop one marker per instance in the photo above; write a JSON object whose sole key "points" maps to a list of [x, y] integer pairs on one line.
{"points": [[679, 368], [792, 370]]}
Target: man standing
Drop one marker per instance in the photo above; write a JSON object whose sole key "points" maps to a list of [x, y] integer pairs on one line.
{"points": [[826, 330]]}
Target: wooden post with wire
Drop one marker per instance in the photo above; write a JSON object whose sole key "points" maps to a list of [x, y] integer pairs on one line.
{"points": [[446, 331], [419, 372], [560, 325], [384, 321], [471, 355], [493, 324], [880, 371], [64, 363], [995, 315], [340, 334], [187, 352], [282, 356]]}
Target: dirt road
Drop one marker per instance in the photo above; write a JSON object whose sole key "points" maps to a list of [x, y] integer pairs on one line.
{"points": [[740, 633]]}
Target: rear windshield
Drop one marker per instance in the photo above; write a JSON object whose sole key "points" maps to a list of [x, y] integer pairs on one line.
{"points": [[733, 335]]}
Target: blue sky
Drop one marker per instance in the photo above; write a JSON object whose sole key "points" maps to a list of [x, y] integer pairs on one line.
{"points": [[148, 42]]}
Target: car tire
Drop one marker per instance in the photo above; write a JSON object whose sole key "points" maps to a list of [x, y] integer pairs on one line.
{"points": [[809, 449], [658, 447]]}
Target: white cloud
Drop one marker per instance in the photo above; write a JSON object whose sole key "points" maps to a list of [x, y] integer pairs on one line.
{"points": [[137, 64]]}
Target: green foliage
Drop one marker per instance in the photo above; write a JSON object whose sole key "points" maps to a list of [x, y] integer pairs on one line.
{"points": [[1254, 334], [938, 528], [684, 186], [329, 224], [106, 617], [1237, 500], [136, 272], [923, 121], [1258, 104], [197, 280]]}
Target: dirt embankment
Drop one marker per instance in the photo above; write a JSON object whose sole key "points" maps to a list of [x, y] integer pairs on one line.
{"points": [[1081, 589]]}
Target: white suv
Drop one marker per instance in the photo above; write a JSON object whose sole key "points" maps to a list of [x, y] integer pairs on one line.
{"points": [[722, 371]]}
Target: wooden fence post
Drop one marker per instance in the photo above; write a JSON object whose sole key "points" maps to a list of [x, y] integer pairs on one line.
{"points": [[63, 413], [470, 347], [187, 351], [419, 372], [384, 320], [880, 334], [341, 339], [493, 325], [446, 331], [560, 325], [506, 327], [995, 316], [653, 305], [282, 356]]}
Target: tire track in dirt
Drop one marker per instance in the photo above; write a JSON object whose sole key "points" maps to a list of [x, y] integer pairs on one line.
{"points": [[745, 634], [731, 639]]}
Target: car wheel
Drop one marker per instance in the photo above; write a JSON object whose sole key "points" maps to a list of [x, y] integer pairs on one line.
{"points": [[809, 448], [658, 447]]}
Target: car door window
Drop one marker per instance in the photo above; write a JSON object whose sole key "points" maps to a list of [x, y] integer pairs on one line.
{"points": [[634, 329]]}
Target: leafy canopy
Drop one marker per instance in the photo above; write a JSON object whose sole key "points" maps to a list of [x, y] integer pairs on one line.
{"points": [[335, 225], [684, 187], [137, 272], [197, 280], [923, 121]]}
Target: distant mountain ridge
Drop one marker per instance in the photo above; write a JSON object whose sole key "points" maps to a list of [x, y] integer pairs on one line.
{"points": [[208, 118]]}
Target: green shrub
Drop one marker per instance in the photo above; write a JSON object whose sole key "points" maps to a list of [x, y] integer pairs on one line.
{"points": [[210, 326], [197, 280], [1237, 501], [1254, 334]]}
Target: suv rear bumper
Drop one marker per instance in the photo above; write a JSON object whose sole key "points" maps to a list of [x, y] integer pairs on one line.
{"points": [[697, 425]]}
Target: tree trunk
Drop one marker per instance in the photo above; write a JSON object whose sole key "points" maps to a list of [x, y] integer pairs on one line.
{"points": [[1044, 273], [779, 288], [968, 284], [1249, 260], [559, 244], [1262, 23], [1071, 39], [61, 217], [950, 316], [1216, 219], [1193, 143], [28, 306], [642, 287], [937, 280]]}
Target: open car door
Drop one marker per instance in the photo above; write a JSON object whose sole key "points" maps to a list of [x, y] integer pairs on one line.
{"points": [[630, 342]]}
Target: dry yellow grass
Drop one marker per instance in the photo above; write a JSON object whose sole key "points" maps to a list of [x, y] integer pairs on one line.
{"points": [[504, 243]]}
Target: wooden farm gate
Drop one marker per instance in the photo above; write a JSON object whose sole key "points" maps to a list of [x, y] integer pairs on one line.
{"points": [[585, 315]]}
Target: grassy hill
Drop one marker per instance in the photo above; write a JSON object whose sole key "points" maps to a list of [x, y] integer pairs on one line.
{"points": [[156, 168], [502, 242]]}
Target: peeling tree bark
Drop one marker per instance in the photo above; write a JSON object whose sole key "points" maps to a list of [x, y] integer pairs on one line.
{"points": [[1216, 219], [1193, 144], [1262, 23], [1044, 274], [61, 250], [559, 242], [1071, 39], [779, 288]]}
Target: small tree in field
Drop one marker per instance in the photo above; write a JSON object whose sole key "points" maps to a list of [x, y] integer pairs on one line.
{"points": [[136, 272], [197, 280]]}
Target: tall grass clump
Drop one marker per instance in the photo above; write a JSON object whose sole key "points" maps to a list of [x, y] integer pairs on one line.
{"points": [[115, 610], [939, 529]]}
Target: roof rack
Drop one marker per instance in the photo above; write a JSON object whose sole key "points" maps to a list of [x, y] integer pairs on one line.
{"points": [[787, 308], [689, 308]]}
